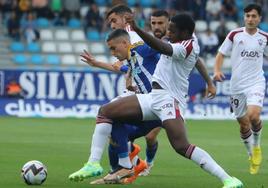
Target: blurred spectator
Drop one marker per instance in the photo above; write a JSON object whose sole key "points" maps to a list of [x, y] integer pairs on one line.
{"points": [[209, 41], [221, 31], [229, 10], [139, 15], [56, 5], [40, 7], [71, 8], [93, 18], [13, 89], [213, 10], [180, 5], [57, 11], [30, 30], [5, 6], [24, 5], [198, 9], [13, 26]]}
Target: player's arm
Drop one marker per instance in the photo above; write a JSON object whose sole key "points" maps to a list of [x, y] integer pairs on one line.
{"points": [[129, 85], [90, 60], [211, 89], [155, 43], [218, 74]]}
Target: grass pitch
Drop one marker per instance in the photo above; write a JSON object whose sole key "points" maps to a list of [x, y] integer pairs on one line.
{"points": [[63, 146]]}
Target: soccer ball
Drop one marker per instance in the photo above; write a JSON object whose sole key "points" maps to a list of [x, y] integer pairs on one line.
{"points": [[34, 173]]}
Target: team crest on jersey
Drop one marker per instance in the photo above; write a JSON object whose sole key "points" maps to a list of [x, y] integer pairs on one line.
{"points": [[260, 42]]}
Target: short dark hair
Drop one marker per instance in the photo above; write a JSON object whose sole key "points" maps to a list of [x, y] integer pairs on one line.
{"points": [[184, 22], [159, 13], [117, 33], [118, 9], [253, 6]]}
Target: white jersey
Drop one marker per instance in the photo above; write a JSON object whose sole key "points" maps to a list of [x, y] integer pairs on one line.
{"points": [[134, 37], [172, 72], [246, 58]]}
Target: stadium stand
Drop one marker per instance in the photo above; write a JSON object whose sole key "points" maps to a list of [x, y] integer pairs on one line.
{"points": [[60, 44]]}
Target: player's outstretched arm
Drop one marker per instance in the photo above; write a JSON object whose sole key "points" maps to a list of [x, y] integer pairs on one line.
{"points": [[90, 60], [218, 75], [153, 42], [211, 89]]}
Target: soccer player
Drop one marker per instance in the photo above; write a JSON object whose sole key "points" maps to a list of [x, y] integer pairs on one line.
{"points": [[168, 97], [101, 133], [247, 46]]}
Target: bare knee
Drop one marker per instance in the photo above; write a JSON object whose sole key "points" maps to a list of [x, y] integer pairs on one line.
{"points": [[244, 123], [254, 118]]}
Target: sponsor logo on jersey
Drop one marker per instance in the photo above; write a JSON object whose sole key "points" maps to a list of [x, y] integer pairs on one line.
{"points": [[246, 53]]}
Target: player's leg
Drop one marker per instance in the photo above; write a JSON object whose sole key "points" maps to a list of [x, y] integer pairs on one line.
{"points": [[151, 149], [170, 112], [128, 108], [177, 136], [239, 106], [254, 107]]}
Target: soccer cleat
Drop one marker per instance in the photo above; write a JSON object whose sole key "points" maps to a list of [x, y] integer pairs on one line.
{"points": [[232, 182], [135, 152], [141, 166], [90, 169], [255, 160], [118, 175], [147, 170], [98, 182]]}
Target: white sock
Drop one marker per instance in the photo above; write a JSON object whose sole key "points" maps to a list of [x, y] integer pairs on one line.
{"points": [[100, 137], [205, 161], [125, 162], [247, 139], [257, 135]]}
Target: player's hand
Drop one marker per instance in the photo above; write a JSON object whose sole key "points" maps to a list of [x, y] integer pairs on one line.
{"points": [[211, 91], [218, 76], [89, 59], [129, 18], [117, 65]]}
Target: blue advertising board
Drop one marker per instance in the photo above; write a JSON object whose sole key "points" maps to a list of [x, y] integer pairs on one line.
{"points": [[81, 93]]}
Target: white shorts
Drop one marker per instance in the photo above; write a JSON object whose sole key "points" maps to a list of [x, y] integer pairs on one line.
{"points": [[124, 94], [239, 102], [159, 105]]}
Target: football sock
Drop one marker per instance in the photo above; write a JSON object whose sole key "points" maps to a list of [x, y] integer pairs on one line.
{"points": [[99, 139], [124, 160], [150, 152], [113, 157], [257, 129], [246, 138], [205, 161]]}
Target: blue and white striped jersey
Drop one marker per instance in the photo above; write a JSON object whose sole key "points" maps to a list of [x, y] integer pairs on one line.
{"points": [[142, 62]]}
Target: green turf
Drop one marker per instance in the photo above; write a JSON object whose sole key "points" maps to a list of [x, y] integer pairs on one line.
{"points": [[63, 145]]}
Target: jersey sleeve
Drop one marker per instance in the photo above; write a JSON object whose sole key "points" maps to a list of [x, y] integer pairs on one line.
{"points": [[226, 46], [134, 37], [145, 51], [179, 51]]}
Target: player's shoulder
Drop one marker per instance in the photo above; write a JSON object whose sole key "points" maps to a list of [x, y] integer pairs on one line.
{"points": [[137, 44], [234, 32], [189, 45], [263, 33]]}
